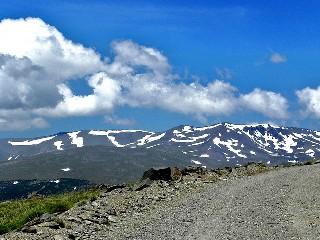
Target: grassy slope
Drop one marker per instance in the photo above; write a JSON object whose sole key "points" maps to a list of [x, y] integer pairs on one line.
{"points": [[14, 214], [98, 164]]}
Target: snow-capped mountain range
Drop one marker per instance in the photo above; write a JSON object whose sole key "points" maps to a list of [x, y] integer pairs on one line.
{"points": [[226, 143], [117, 156]]}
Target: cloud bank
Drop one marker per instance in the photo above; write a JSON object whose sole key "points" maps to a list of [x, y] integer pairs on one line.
{"points": [[37, 64]]}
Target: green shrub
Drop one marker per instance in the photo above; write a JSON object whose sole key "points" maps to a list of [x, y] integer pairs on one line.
{"points": [[14, 214]]}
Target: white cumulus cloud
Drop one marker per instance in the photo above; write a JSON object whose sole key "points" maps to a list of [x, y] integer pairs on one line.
{"points": [[45, 46], [310, 100], [270, 104], [34, 59], [104, 97], [37, 64]]}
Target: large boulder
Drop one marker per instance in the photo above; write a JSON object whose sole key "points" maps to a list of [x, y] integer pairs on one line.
{"points": [[156, 174], [165, 174]]}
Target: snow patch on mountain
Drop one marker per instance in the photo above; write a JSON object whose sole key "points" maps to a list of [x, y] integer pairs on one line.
{"points": [[144, 140], [243, 126], [112, 139], [58, 145], [310, 152], [253, 152], [155, 138], [292, 161], [31, 142], [229, 144], [207, 127], [55, 181], [196, 144], [187, 129], [98, 133], [150, 138], [189, 139], [288, 143], [196, 162], [110, 134], [78, 141], [204, 155]]}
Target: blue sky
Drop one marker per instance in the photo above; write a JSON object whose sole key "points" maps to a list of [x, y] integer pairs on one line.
{"points": [[203, 40]]}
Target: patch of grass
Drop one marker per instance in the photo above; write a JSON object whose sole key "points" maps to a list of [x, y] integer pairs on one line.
{"points": [[14, 214]]}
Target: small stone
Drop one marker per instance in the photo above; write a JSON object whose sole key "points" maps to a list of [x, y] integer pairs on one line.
{"points": [[111, 211], [52, 225], [85, 216], [104, 221], [46, 217], [60, 237], [31, 229], [112, 219], [74, 219], [95, 204]]}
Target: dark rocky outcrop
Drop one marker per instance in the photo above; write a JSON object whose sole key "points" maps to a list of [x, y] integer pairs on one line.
{"points": [[158, 174], [165, 174]]}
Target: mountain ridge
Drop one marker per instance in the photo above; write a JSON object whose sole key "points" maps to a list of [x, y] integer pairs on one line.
{"points": [[70, 154], [157, 131]]}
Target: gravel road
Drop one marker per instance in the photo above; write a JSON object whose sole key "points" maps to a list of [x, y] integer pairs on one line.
{"points": [[282, 204]]}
